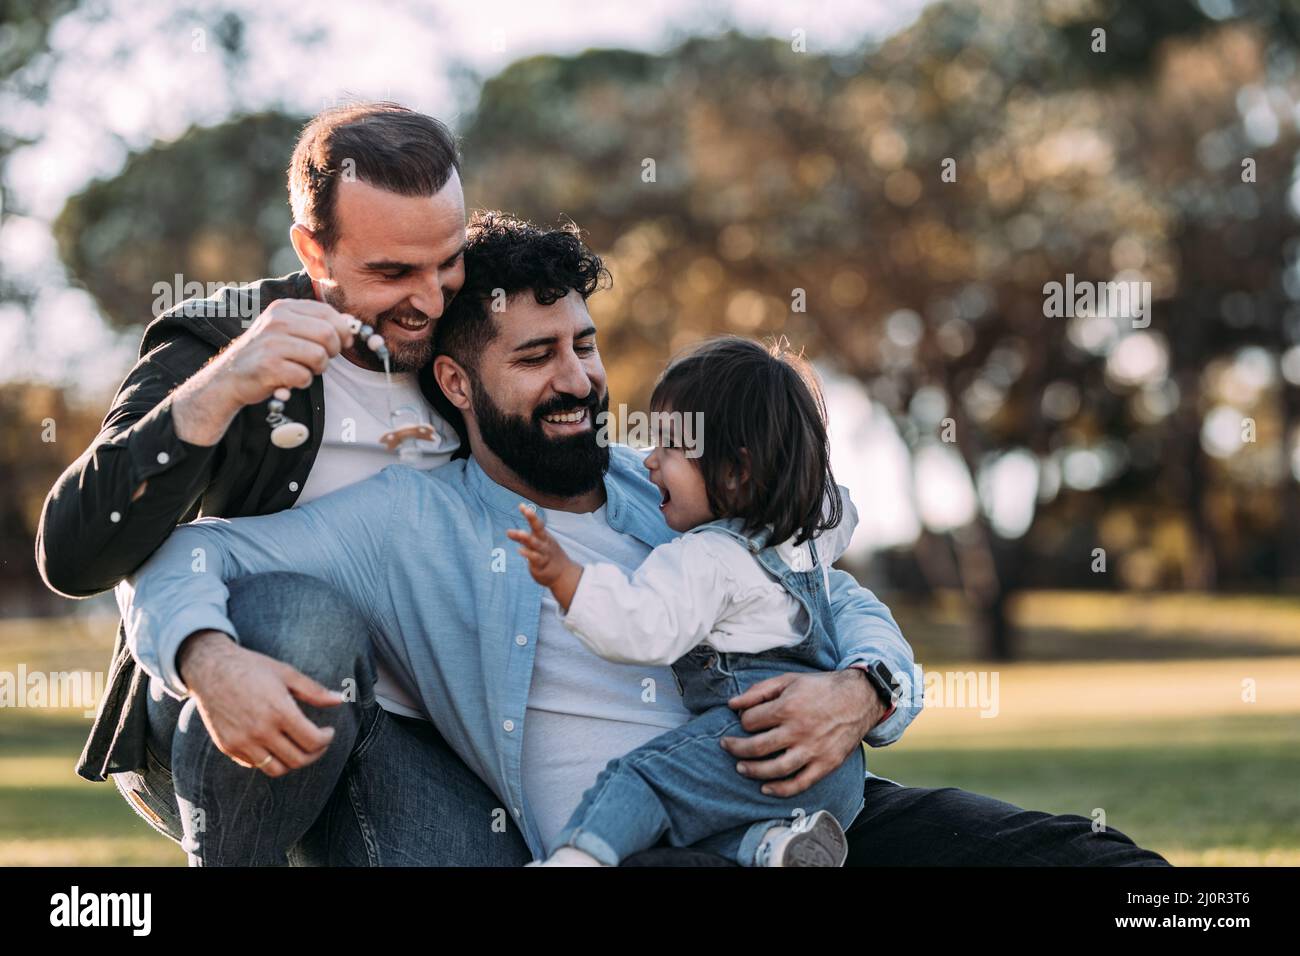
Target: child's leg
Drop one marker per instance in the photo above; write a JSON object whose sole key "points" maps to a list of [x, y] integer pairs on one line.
{"points": [[684, 785]]}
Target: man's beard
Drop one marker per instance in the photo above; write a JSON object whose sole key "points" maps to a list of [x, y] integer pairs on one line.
{"points": [[560, 467], [404, 355]]}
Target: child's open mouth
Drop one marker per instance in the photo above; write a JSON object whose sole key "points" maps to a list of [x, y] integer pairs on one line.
{"points": [[667, 497]]}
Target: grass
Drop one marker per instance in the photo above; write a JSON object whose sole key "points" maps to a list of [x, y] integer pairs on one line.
{"points": [[1159, 734]]}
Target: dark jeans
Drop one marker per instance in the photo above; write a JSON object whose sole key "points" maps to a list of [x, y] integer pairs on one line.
{"points": [[922, 826], [388, 792]]}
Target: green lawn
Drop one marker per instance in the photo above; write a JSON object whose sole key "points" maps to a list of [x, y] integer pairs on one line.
{"points": [[1157, 735], [1214, 792]]}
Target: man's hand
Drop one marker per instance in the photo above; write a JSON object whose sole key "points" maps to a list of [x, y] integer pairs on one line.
{"points": [[548, 563], [289, 344], [246, 700], [816, 719]]}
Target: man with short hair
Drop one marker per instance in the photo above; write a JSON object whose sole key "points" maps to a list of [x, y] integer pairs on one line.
{"points": [[379, 226]]}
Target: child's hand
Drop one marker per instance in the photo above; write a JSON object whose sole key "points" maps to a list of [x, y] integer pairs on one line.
{"points": [[547, 562]]}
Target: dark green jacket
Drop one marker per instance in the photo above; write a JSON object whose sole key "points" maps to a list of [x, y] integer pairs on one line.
{"points": [[92, 534]]}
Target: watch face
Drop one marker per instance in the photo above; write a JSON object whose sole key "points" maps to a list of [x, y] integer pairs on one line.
{"points": [[883, 680]]}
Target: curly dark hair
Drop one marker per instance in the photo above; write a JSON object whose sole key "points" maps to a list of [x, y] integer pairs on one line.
{"points": [[763, 414], [506, 255]]}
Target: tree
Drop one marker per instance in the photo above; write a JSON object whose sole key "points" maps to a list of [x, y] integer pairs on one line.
{"points": [[209, 208], [915, 199]]}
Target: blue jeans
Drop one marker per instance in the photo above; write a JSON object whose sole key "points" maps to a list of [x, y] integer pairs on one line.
{"points": [[388, 792], [682, 787]]}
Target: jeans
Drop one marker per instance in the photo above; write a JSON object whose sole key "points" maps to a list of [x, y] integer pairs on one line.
{"points": [[945, 826], [387, 792], [682, 786]]}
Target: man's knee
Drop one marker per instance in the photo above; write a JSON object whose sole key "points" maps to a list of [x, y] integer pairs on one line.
{"points": [[305, 623]]}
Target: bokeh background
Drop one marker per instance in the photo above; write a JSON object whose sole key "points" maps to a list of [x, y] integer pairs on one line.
{"points": [[1104, 517]]}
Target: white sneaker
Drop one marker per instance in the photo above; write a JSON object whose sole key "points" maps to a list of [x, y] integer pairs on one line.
{"points": [[819, 841]]}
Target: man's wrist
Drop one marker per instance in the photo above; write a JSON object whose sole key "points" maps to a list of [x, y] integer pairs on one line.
{"points": [[195, 650], [202, 410], [863, 669]]}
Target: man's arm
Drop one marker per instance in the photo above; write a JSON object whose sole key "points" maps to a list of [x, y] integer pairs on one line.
{"points": [[866, 632], [153, 457], [181, 590], [117, 502], [814, 721], [174, 609]]}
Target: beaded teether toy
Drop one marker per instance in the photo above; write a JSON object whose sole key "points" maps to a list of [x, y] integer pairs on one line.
{"points": [[407, 429], [287, 433]]}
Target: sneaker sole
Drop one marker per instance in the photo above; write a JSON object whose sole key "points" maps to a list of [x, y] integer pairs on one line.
{"points": [[823, 843]]}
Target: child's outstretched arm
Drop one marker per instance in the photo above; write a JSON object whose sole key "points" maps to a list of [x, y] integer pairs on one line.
{"points": [[547, 562]]}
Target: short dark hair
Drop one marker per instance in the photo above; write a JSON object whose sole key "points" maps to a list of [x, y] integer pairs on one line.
{"points": [[765, 401], [389, 146], [509, 254]]}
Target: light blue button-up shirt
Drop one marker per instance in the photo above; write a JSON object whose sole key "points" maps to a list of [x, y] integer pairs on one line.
{"points": [[425, 557]]}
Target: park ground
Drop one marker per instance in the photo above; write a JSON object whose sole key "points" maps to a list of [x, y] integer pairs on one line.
{"points": [[1173, 718]]}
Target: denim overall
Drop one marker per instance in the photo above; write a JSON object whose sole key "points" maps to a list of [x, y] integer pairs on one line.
{"points": [[682, 786]]}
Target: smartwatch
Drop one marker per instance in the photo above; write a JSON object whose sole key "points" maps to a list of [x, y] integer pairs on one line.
{"points": [[881, 679]]}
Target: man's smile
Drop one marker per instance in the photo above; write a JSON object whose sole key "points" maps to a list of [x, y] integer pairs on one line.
{"points": [[408, 326], [572, 422]]}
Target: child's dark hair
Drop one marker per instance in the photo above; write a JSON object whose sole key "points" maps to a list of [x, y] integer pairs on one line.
{"points": [[763, 413]]}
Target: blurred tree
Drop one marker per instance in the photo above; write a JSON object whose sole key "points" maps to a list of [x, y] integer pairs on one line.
{"points": [[25, 67], [40, 432], [897, 211], [210, 207], [735, 182]]}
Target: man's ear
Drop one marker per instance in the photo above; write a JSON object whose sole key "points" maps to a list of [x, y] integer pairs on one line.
{"points": [[310, 252], [453, 380]]}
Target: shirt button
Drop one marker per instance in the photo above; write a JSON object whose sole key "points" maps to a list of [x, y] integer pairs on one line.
{"points": [[293, 486], [509, 725], [163, 457], [521, 640], [115, 517]]}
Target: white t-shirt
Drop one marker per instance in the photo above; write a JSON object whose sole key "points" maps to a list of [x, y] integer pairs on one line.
{"points": [[584, 711], [356, 415]]}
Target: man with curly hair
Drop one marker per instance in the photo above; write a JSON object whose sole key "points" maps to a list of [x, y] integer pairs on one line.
{"points": [[421, 563]]}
